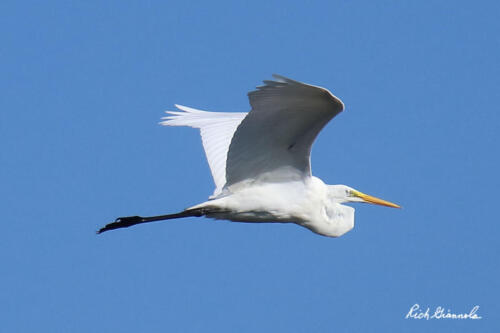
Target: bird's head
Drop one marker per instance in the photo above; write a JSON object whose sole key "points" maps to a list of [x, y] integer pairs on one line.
{"points": [[343, 193]]}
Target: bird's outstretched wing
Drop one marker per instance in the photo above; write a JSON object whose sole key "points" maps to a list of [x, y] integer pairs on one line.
{"points": [[273, 142], [216, 129]]}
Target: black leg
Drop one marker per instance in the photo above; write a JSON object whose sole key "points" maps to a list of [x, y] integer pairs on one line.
{"points": [[128, 221]]}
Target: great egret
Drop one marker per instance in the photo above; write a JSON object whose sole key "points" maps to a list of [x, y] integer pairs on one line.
{"points": [[260, 162]]}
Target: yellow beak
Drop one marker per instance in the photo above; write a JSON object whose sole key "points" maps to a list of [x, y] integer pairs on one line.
{"points": [[369, 199]]}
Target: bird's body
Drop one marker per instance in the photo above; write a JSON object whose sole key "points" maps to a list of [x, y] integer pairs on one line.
{"points": [[307, 202], [260, 161]]}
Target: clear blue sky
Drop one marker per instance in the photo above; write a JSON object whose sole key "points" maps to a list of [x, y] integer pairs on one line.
{"points": [[83, 85]]}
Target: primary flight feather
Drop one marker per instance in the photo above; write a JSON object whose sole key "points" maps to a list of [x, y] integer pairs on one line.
{"points": [[260, 161]]}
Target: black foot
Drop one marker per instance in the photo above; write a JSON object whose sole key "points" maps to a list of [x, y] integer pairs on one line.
{"points": [[122, 222]]}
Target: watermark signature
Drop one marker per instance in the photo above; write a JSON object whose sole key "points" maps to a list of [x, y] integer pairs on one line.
{"points": [[416, 312]]}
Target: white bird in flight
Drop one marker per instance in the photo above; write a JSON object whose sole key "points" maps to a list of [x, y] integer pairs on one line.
{"points": [[260, 162]]}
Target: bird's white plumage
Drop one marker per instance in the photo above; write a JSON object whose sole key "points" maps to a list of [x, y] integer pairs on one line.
{"points": [[260, 161], [273, 142], [216, 129]]}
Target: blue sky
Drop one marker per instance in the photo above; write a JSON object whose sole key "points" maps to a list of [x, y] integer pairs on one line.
{"points": [[84, 85]]}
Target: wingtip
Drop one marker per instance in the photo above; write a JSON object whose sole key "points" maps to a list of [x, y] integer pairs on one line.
{"points": [[279, 78], [285, 79], [279, 81]]}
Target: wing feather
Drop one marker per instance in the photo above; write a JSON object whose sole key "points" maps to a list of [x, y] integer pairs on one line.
{"points": [[273, 142], [216, 129]]}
